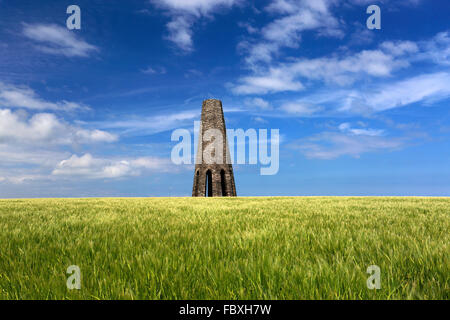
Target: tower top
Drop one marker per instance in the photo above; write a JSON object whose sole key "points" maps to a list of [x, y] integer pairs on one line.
{"points": [[212, 100], [212, 106]]}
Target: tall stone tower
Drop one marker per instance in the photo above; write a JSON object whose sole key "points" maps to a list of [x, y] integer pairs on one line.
{"points": [[213, 175]]}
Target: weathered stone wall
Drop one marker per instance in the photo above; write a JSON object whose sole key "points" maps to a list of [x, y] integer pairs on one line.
{"points": [[221, 172]]}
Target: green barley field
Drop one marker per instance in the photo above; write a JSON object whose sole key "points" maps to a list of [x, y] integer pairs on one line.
{"points": [[225, 248]]}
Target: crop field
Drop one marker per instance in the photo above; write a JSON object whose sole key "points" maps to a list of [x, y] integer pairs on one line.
{"points": [[225, 248]]}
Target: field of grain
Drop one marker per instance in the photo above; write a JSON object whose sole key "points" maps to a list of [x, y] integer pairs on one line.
{"points": [[225, 248]]}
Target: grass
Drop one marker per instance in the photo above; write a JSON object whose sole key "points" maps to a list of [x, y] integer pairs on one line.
{"points": [[225, 248]]}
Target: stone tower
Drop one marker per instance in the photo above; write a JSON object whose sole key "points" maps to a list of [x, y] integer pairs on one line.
{"points": [[213, 176]]}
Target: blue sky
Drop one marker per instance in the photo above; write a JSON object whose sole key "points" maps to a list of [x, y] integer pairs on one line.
{"points": [[90, 112]]}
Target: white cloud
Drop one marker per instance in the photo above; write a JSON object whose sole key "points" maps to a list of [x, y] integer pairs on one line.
{"points": [[91, 167], [152, 163], [300, 108], [344, 69], [19, 179], [183, 15], [25, 162], [247, 26], [346, 128], [32, 142], [301, 15], [15, 154], [275, 80], [331, 145], [194, 7], [58, 40], [94, 136], [286, 31], [338, 70], [154, 70], [97, 168], [399, 48], [180, 32], [361, 35], [259, 120], [13, 96], [425, 88], [436, 49], [391, 2], [262, 51], [153, 124], [16, 127], [258, 103]]}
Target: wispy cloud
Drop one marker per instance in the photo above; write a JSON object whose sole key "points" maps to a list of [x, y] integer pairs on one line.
{"points": [[338, 70], [391, 2], [436, 49], [331, 145], [32, 146], [26, 155], [425, 88], [258, 103], [20, 179], [347, 128], [294, 18], [275, 80], [342, 70], [300, 108], [184, 14], [151, 124], [13, 96], [180, 32], [139, 125], [46, 128], [58, 40], [154, 70], [90, 167]]}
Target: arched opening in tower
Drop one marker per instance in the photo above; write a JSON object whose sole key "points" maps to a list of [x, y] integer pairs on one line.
{"points": [[208, 184], [196, 178], [223, 183]]}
